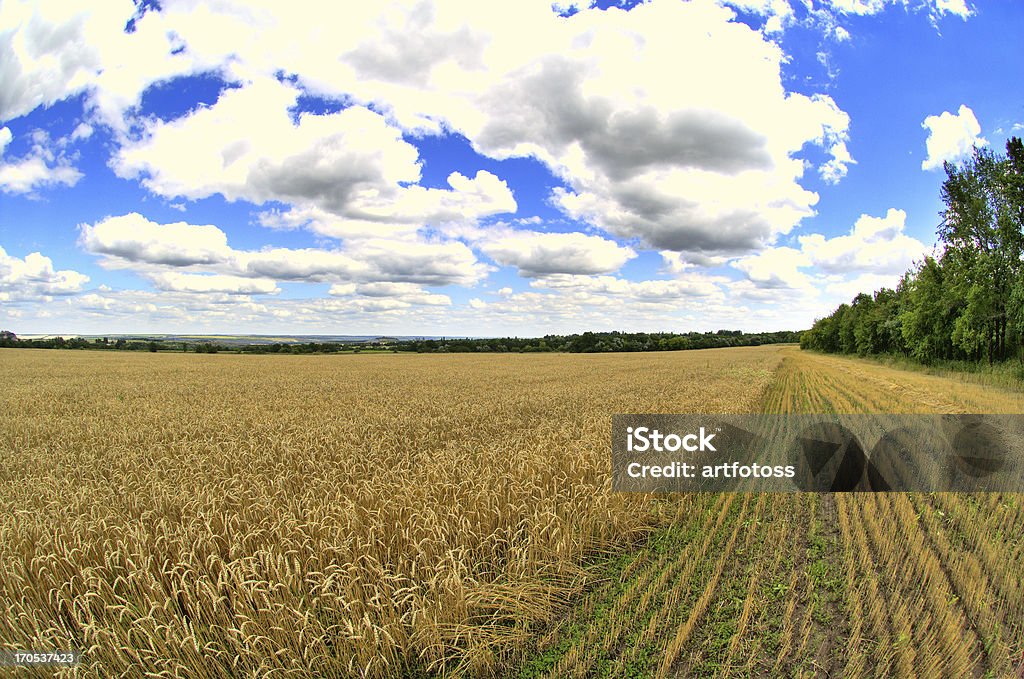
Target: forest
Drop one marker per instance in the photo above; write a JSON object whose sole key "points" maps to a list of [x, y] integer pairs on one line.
{"points": [[964, 303]]}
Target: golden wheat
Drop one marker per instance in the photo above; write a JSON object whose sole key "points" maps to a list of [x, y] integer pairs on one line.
{"points": [[222, 515], [339, 515]]}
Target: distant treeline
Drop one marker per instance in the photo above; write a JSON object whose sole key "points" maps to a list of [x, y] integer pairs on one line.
{"points": [[597, 342], [10, 340], [588, 342], [968, 302]]}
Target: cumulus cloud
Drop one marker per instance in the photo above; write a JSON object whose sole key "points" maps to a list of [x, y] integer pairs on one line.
{"points": [[703, 163], [132, 241], [674, 262], [540, 254], [33, 277], [207, 283], [957, 8], [591, 288], [669, 160], [779, 15], [842, 290], [436, 264], [593, 96], [334, 169], [246, 146], [53, 51], [777, 267], [134, 238], [388, 293], [615, 140], [82, 131], [951, 137], [40, 167], [287, 264], [700, 213], [874, 245], [858, 7], [836, 168]]}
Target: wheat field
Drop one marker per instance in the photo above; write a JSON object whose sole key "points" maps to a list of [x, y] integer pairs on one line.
{"points": [[416, 515], [338, 515]]}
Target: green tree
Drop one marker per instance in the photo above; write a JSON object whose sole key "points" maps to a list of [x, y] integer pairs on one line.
{"points": [[982, 230], [928, 313]]}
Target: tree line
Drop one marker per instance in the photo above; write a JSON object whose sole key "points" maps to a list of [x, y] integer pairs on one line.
{"points": [[587, 342], [967, 301], [600, 342]]}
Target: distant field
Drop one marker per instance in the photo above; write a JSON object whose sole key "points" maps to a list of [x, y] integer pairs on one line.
{"points": [[225, 515]]}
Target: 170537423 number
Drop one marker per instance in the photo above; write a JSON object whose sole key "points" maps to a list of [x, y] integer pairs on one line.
{"points": [[25, 658]]}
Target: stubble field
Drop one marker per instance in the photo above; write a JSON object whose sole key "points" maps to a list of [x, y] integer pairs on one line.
{"points": [[218, 515]]}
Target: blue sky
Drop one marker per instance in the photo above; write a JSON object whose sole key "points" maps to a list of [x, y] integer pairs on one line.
{"points": [[466, 168]]}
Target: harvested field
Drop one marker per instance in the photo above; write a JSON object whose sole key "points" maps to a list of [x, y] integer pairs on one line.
{"points": [[827, 585]]}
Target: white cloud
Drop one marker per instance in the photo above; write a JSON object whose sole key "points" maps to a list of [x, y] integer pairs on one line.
{"points": [[702, 163], [857, 7], [27, 174], [370, 260], [52, 50], [835, 169], [106, 311], [777, 267], [594, 97], [674, 262], [958, 8], [934, 8], [346, 173], [824, 15], [134, 242], [39, 168], [246, 146], [134, 238], [823, 272], [207, 283], [875, 245], [388, 293], [82, 131], [593, 288], [540, 254], [779, 13], [425, 263], [34, 277], [951, 137], [669, 158]]}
